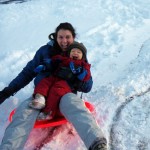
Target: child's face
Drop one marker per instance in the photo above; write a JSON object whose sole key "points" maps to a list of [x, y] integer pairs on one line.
{"points": [[76, 54]]}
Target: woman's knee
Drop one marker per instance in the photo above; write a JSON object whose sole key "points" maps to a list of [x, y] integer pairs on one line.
{"points": [[70, 103], [68, 99], [64, 101]]}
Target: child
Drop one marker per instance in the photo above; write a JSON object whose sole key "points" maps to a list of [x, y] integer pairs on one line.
{"points": [[54, 87]]}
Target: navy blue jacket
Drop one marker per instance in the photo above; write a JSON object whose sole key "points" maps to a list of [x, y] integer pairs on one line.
{"points": [[28, 74]]}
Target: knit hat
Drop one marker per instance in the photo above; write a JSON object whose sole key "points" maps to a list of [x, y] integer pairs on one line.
{"points": [[79, 46]]}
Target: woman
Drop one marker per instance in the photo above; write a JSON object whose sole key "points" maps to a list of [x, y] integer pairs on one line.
{"points": [[18, 130]]}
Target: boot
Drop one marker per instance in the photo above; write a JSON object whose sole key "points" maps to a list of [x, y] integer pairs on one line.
{"points": [[99, 144], [38, 102], [44, 116]]}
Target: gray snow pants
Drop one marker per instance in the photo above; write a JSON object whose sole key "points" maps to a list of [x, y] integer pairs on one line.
{"points": [[71, 106]]}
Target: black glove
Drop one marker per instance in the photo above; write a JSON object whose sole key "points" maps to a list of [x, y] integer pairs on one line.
{"points": [[5, 93], [66, 74], [77, 84]]}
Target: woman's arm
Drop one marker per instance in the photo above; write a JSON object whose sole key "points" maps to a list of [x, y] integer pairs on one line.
{"points": [[26, 75], [86, 86]]}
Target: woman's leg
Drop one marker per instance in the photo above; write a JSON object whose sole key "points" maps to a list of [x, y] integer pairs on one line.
{"points": [[73, 108], [18, 130]]}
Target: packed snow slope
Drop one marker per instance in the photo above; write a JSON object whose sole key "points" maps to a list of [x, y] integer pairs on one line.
{"points": [[117, 36]]}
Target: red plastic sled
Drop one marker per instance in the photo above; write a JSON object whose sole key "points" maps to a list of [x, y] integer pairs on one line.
{"points": [[54, 122]]}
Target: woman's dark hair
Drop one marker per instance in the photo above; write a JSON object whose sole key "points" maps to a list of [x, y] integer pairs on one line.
{"points": [[53, 36], [65, 26]]}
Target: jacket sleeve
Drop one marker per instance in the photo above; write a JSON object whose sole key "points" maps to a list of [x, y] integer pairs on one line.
{"points": [[27, 74], [83, 81], [85, 86], [87, 67], [87, 83]]}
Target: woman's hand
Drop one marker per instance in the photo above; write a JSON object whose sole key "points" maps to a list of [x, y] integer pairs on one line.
{"points": [[5, 93]]}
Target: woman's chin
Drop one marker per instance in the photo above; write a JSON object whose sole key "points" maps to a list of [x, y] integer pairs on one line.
{"points": [[64, 49]]}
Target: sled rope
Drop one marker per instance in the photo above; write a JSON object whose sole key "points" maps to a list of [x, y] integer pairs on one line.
{"points": [[118, 115]]}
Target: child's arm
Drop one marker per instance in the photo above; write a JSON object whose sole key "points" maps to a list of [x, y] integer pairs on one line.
{"points": [[49, 64], [82, 72], [85, 73], [83, 80]]}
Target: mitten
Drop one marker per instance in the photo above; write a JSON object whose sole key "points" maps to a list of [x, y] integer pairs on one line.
{"points": [[39, 68], [5, 93], [73, 69], [46, 65], [82, 75], [79, 72]]}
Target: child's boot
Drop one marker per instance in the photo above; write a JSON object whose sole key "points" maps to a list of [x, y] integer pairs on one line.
{"points": [[38, 102], [44, 116]]}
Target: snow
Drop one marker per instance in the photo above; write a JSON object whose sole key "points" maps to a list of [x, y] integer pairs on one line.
{"points": [[117, 36]]}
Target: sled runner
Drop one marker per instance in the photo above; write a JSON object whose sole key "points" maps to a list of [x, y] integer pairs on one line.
{"points": [[58, 120]]}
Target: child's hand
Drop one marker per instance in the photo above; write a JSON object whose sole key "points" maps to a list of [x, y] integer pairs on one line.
{"points": [[46, 65], [73, 69], [82, 75], [39, 68]]}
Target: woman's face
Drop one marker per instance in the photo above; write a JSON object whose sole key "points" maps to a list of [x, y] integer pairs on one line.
{"points": [[64, 39]]}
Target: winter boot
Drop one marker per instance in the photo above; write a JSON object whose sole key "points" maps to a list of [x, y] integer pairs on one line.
{"points": [[44, 116], [99, 144], [38, 102]]}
